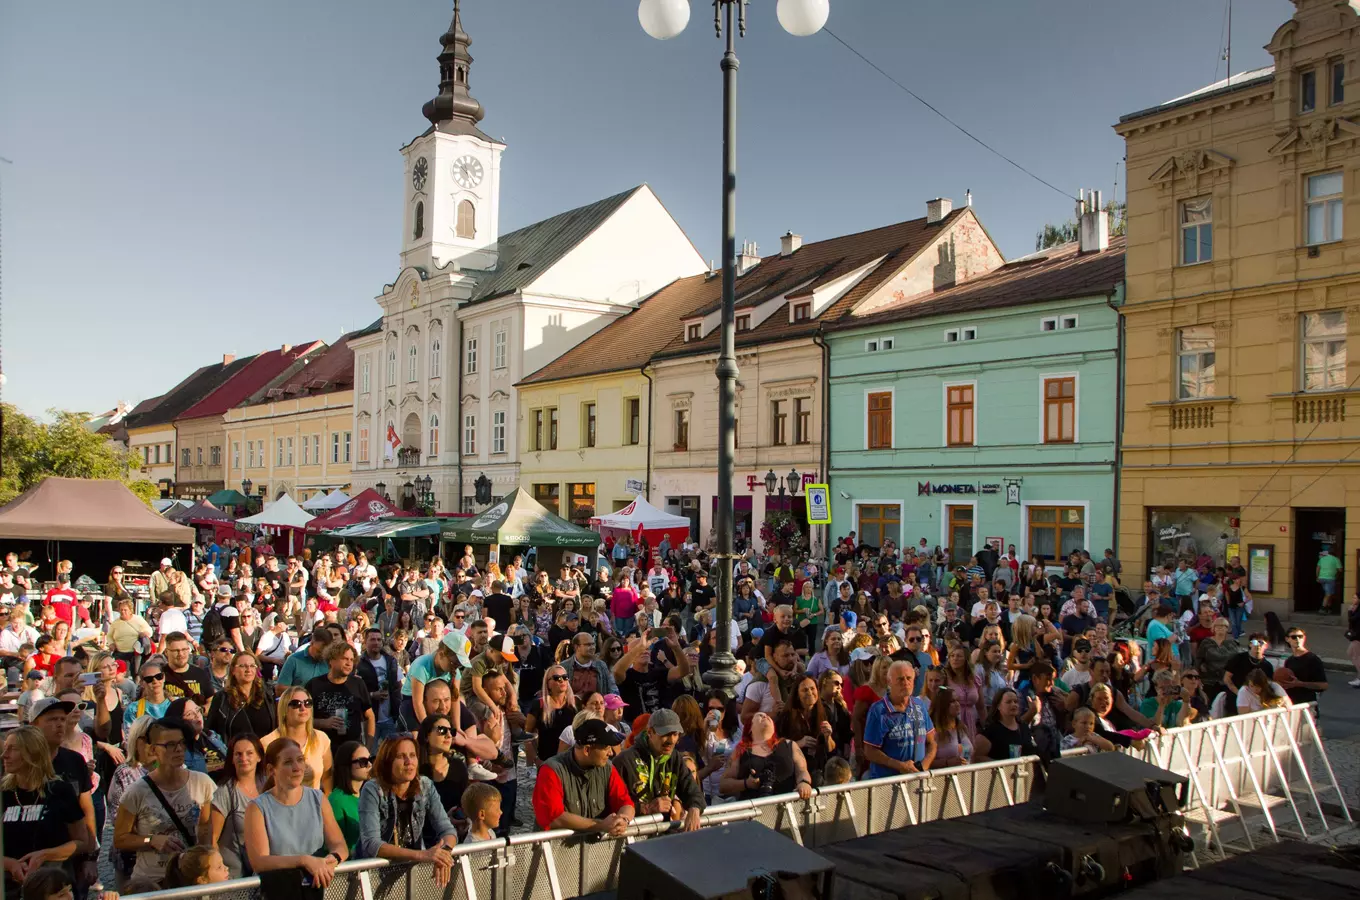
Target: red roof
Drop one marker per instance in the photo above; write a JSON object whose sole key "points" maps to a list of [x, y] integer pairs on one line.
{"points": [[368, 506], [325, 372], [261, 370]]}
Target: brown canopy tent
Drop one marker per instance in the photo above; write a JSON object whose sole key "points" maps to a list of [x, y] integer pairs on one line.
{"points": [[79, 509]]}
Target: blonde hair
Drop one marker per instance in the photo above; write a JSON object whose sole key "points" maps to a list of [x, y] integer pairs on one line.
{"points": [[878, 675], [582, 718], [282, 719], [136, 732], [36, 757], [1022, 632]]}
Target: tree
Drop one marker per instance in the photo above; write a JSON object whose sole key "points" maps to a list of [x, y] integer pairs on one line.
{"points": [[31, 450], [1053, 235]]}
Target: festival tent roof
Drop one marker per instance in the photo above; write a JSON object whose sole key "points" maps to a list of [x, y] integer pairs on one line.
{"points": [[228, 497], [82, 509], [282, 513], [336, 498], [519, 520], [367, 506], [166, 504], [315, 502], [201, 512], [641, 515], [389, 528]]}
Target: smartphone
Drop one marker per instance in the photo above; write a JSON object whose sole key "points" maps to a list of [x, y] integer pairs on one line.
{"points": [[89, 679]]}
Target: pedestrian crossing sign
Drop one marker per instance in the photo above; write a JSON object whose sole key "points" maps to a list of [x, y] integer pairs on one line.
{"points": [[818, 504]]}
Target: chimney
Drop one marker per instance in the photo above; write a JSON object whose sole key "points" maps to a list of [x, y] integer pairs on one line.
{"points": [[1093, 223], [937, 209], [749, 257], [228, 358], [285, 348], [789, 244], [968, 198]]}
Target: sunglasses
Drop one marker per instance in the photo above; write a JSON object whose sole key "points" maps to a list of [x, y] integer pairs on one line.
{"points": [[558, 678], [299, 704], [159, 676], [443, 730], [364, 761], [225, 649], [1190, 677], [1294, 637]]}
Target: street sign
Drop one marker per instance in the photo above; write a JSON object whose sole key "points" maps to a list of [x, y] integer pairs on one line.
{"points": [[634, 486], [818, 504]]}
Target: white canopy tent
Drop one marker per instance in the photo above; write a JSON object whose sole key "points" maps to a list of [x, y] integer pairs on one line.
{"points": [[640, 517], [323, 501], [335, 499], [282, 513]]}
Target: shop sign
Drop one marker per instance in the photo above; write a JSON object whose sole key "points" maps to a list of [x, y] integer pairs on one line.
{"points": [[925, 488], [1013, 491]]}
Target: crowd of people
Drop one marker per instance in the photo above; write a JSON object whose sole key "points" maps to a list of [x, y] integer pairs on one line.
{"points": [[277, 716]]}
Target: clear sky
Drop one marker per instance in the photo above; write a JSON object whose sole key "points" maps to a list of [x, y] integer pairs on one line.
{"points": [[193, 179]]}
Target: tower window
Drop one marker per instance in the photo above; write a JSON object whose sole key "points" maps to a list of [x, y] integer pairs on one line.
{"points": [[467, 220], [460, 75], [418, 229]]}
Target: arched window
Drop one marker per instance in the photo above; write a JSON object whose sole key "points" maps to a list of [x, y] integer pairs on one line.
{"points": [[436, 357], [434, 435], [391, 367], [467, 220], [418, 229], [412, 362]]}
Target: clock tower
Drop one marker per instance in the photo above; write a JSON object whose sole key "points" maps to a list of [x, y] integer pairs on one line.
{"points": [[452, 172]]}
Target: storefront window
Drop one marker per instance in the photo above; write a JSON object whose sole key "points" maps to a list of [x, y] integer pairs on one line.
{"points": [[1201, 536], [582, 503], [1055, 531], [547, 495]]}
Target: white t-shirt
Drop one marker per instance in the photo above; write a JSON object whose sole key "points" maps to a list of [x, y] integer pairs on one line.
{"points": [[173, 620], [1247, 701], [759, 692], [151, 818]]}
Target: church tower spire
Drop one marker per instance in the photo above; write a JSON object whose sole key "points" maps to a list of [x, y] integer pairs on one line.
{"points": [[454, 110]]}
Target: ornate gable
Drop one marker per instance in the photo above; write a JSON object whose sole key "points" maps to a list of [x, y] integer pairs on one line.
{"points": [[1317, 137], [1191, 165]]}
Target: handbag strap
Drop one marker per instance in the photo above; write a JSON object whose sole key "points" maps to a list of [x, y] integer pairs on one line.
{"points": [[165, 805]]}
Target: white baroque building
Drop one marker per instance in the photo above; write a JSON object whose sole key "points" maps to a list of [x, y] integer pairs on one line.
{"points": [[472, 310]]}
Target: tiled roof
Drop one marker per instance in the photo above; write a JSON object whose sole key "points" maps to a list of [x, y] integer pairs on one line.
{"points": [[188, 392], [1061, 273], [324, 371], [526, 254], [258, 372]]}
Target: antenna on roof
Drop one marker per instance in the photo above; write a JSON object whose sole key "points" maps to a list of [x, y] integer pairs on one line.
{"points": [[1228, 52]]}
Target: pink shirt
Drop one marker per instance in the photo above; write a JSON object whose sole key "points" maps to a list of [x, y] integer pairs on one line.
{"points": [[623, 602]]}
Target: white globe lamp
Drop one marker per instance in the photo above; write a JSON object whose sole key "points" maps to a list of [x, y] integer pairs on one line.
{"points": [[803, 18], [663, 19]]}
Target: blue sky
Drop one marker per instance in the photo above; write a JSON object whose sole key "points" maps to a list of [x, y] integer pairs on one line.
{"points": [[193, 179]]}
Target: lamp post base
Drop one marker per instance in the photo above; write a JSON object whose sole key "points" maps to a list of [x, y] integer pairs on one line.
{"points": [[722, 673]]}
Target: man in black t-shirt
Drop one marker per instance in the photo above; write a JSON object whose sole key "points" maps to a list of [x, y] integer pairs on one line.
{"points": [[1308, 676], [343, 707], [642, 683], [182, 679], [498, 605], [701, 595]]}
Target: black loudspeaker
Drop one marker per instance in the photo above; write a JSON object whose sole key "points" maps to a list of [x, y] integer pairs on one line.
{"points": [[1112, 788], [741, 861]]}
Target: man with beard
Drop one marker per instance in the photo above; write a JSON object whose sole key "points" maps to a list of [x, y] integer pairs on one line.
{"points": [[344, 708]]}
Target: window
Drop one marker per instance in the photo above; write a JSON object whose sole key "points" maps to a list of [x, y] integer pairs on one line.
{"points": [[1307, 91], [779, 423], [418, 227], [289, 446], [345, 458], [743, 323], [470, 357], [158, 453], [632, 420], [250, 454], [581, 503], [470, 435], [877, 522], [802, 420], [498, 431], [188, 456], [694, 332], [1197, 230], [538, 431], [436, 357], [1195, 362], [434, 435], [467, 220], [215, 456], [1060, 410], [412, 362], [236, 454], [363, 443], [1050, 324], [1324, 351], [879, 420], [306, 452], [335, 446], [364, 380], [681, 429], [802, 312], [391, 367], [200, 456], [954, 335], [886, 343], [498, 342], [871, 346], [588, 425], [552, 428], [278, 454], [1338, 92], [1069, 322], [548, 495], [1056, 531], [1324, 208], [959, 415], [169, 454]]}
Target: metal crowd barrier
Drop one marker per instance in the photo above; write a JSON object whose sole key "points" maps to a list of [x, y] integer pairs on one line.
{"points": [[1241, 769]]}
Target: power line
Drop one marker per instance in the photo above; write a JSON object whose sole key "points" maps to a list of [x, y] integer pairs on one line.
{"points": [[928, 105]]}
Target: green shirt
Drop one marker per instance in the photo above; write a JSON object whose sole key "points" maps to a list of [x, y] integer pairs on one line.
{"points": [[1170, 714], [1327, 567], [346, 809]]}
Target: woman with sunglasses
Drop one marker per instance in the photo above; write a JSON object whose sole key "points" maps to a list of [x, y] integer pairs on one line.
{"points": [[152, 701], [286, 824], [353, 765], [242, 782], [243, 705], [295, 724], [549, 715], [441, 762], [73, 737], [831, 694]]}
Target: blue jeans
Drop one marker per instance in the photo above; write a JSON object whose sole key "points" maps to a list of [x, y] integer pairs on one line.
{"points": [[624, 627], [1237, 618]]}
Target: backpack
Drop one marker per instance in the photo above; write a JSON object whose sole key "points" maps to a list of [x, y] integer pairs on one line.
{"points": [[213, 630]]}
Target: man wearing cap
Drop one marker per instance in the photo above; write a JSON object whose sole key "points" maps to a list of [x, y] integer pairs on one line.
{"points": [[451, 654], [578, 789], [656, 776], [48, 715], [499, 655]]}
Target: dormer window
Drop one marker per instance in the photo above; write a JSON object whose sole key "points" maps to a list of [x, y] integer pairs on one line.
{"points": [[1307, 91], [694, 331], [802, 311], [743, 323]]}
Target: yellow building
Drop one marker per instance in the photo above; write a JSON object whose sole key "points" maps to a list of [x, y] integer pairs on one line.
{"points": [[1243, 288], [294, 435]]}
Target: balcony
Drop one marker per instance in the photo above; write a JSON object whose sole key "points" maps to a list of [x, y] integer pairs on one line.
{"points": [[408, 456], [1309, 410], [1191, 417]]}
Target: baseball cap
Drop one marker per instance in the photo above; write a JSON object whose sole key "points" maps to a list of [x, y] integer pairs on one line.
{"points": [[224, 590], [665, 721], [861, 653], [503, 643], [757, 633], [594, 732], [166, 561], [1081, 644], [48, 704], [35, 675], [476, 592], [614, 701], [459, 644]]}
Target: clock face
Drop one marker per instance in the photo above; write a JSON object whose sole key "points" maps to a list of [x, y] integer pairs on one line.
{"points": [[467, 171], [419, 173]]}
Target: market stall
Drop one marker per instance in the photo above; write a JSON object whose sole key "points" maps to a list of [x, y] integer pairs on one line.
{"points": [[641, 520], [519, 523], [238, 501], [322, 501], [368, 506], [283, 519], [383, 536]]}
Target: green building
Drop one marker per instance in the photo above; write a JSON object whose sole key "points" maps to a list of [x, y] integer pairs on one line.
{"points": [[985, 411]]}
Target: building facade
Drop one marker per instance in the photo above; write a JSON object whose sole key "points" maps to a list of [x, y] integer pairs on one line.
{"points": [[983, 413], [1243, 291], [473, 311]]}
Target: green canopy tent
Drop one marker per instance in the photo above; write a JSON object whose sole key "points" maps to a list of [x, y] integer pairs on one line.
{"points": [[382, 534], [519, 520], [229, 497]]}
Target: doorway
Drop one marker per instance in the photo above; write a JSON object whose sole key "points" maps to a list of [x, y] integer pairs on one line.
{"points": [[687, 507], [1314, 529], [959, 534]]}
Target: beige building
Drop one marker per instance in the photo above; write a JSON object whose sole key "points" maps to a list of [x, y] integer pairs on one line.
{"points": [[1243, 274]]}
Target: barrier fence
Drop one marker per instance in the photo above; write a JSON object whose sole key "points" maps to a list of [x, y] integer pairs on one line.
{"points": [[1250, 780]]}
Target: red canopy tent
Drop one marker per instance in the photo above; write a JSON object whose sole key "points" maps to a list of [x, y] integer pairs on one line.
{"points": [[367, 506]]}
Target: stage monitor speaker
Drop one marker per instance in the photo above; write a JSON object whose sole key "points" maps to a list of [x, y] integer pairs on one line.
{"points": [[741, 861], [1113, 788]]}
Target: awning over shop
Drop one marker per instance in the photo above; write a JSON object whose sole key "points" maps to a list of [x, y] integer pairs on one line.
{"points": [[519, 521], [389, 528]]}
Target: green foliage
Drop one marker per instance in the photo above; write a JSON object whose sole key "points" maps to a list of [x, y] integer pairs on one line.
{"points": [[1065, 233], [31, 450]]}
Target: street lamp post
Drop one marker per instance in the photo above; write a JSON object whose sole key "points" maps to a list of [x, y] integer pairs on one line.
{"points": [[664, 19]]}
